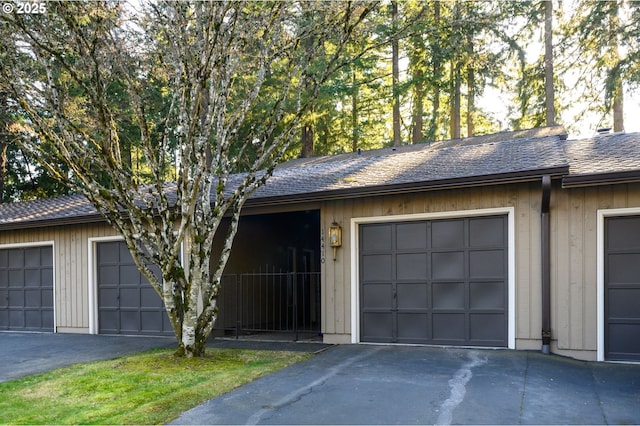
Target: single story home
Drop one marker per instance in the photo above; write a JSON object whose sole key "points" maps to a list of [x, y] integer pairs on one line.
{"points": [[522, 240]]}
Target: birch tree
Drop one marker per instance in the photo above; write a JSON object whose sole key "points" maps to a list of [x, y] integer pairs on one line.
{"points": [[213, 61]]}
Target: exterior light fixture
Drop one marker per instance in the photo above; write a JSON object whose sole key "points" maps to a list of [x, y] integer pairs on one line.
{"points": [[335, 238]]}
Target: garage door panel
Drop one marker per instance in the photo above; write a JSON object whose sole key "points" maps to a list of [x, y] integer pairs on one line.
{"points": [[412, 296], [16, 298], [449, 327], [108, 274], [377, 238], [4, 299], [413, 327], [620, 235], [16, 319], [109, 253], [109, 320], [129, 321], [378, 296], [108, 297], [16, 278], [486, 264], [129, 275], [486, 295], [32, 298], [487, 329], [486, 232], [149, 298], [152, 321], [627, 345], [377, 326], [33, 318], [447, 265], [46, 277], [624, 268], [411, 266], [47, 300], [32, 257], [129, 297], [16, 259], [411, 236], [377, 267], [32, 278], [623, 303], [448, 295], [447, 234]]}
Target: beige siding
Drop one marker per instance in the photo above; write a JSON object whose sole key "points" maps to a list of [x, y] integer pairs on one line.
{"points": [[574, 262], [70, 268]]}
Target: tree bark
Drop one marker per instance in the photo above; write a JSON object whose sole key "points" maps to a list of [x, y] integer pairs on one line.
{"points": [[418, 108], [395, 53], [549, 89], [617, 93]]}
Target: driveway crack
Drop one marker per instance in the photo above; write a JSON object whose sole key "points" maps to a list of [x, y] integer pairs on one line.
{"points": [[458, 385]]}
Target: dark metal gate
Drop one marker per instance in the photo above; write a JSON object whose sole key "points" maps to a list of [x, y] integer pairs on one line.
{"points": [[270, 302]]}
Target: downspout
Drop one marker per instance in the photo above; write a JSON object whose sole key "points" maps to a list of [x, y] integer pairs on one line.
{"points": [[546, 264]]}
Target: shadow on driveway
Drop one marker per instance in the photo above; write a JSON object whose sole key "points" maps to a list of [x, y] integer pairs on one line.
{"points": [[24, 354]]}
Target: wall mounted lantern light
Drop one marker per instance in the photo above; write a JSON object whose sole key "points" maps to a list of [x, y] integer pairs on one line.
{"points": [[335, 237]]}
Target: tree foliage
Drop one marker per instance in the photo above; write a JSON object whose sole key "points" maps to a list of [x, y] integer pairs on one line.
{"points": [[183, 78]]}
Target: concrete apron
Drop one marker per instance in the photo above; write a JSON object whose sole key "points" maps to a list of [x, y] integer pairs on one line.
{"points": [[366, 384]]}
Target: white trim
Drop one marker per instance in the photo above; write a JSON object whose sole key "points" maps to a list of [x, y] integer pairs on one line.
{"points": [[511, 255], [53, 267], [92, 275], [600, 238]]}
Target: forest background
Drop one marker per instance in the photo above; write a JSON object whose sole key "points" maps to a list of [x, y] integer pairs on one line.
{"points": [[435, 70]]}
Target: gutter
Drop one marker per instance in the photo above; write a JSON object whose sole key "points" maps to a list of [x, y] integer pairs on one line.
{"points": [[606, 178], [546, 263]]}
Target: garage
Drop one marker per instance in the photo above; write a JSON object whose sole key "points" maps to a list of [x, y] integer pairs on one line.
{"points": [[127, 304], [622, 288], [26, 289], [441, 282]]}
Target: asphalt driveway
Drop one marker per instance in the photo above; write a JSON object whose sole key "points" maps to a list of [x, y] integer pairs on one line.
{"points": [[24, 354], [362, 384], [367, 384]]}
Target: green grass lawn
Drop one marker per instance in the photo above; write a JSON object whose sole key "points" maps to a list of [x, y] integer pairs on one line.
{"points": [[148, 388]]}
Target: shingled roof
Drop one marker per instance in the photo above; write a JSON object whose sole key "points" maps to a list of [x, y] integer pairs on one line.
{"points": [[500, 158]]}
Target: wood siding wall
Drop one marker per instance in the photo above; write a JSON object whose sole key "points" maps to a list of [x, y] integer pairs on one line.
{"points": [[70, 252]]}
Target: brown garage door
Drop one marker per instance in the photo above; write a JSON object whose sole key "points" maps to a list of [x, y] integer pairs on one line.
{"points": [[622, 288], [435, 282], [26, 289], [127, 304]]}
